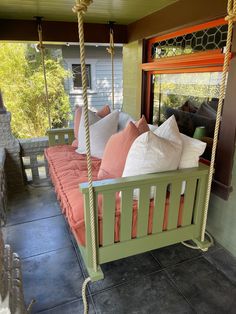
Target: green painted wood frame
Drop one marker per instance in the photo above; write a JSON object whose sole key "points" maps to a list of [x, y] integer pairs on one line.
{"points": [[60, 136], [190, 229]]}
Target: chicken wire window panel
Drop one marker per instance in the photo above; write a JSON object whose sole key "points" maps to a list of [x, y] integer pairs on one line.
{"points": [[77, 76], [203, 40]]}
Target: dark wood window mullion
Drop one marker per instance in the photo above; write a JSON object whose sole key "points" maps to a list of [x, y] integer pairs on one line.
{"points": [[226, 145]]}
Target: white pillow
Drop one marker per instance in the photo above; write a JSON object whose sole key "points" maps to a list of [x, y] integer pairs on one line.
{"points": [[100, 132], [170, 131], [192, 150], [152, 127], [150, 153]]}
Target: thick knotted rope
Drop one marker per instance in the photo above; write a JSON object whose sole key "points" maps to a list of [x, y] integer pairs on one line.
{"points": [[80, 8], [111, 51], [231, 17], [41, 47]]}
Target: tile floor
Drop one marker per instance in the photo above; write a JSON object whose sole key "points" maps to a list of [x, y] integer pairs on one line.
{"points": [[169, 280]]}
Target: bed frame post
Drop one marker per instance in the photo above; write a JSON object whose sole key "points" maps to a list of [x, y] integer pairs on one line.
{"points": [[198, 217], [88, 256]]}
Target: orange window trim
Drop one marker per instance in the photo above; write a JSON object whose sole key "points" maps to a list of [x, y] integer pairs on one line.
{"points": [[206, 59], [188, 70], [181, 32]]}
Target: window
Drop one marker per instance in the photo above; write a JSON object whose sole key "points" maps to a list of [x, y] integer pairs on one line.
{"points": [[77, 76], [184, 68], [173, 90]]}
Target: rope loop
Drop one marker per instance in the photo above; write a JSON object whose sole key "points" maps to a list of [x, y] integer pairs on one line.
{"points": [[231, 16], [81, 6]]}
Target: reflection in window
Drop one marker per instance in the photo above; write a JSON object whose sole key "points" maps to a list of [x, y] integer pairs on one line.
{"points": [[174, 90]]}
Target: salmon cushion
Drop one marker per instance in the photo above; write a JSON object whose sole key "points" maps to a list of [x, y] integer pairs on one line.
{"points": [[142, 125], [104, 111], [116, 151]]}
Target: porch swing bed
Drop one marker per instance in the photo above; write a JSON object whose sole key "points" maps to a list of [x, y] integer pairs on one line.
{"points": [[125, 226]]}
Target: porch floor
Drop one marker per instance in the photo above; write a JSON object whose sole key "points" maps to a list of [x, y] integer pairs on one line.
{"points": [[174, 279]]}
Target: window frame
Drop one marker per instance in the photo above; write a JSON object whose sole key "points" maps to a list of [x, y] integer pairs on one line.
{"points": [[78, 91], [89, 79], [192, 63]]}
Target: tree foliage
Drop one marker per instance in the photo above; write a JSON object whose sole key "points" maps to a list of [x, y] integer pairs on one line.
{"points": [[22, 84]]}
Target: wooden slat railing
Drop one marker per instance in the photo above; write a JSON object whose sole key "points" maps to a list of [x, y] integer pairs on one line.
{"points": [[60, 136], [171, 181]]}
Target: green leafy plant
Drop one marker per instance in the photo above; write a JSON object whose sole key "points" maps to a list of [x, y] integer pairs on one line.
{"points": [[22, 84]]}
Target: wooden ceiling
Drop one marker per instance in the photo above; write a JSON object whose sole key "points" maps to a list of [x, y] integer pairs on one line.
{"points": [[100, 11]]}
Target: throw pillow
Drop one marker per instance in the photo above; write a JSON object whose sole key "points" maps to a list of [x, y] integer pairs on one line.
{"points": [[142, 125], [100, 132], [116, 151], [206, 111], [192, 150], [77, 118], [150, 153], [169, 130], [152, 127], [104, 111]]}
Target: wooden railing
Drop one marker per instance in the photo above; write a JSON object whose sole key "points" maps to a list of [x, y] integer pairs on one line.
{"points": [[60, 136], [166, 183]]}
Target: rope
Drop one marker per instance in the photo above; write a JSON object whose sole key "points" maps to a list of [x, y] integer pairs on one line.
{"points": [[194, 247], [111, 51], [84, 286], [231, 17], [80, 8], [42, 50]]}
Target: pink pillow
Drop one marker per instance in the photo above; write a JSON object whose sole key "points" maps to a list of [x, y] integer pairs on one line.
{"points": [[142, 125], [78, 113], [75, 143], [116, 151], [104, 111]]}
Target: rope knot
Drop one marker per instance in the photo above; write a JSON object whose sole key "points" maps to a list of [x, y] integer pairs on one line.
{"points": [[231, 16], [82, 6], [40, 46], [110, 50]]}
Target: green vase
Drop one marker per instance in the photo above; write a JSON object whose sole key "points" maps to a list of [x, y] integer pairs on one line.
{"points": [[200, 132]]}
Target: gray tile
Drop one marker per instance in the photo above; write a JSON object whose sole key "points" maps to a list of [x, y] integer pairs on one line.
{"points": [[52, 279], [207, 289], [224, 262], [31, 205], [74, 307], [38, 236], [174, 254], [150, 294], [124, 270]]}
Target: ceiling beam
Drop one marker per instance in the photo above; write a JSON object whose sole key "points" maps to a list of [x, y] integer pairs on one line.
{"points": [[26, 30], [178, 15]]}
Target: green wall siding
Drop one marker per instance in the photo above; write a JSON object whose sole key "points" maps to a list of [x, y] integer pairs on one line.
{"points": [[132, 78], [222, 218]]}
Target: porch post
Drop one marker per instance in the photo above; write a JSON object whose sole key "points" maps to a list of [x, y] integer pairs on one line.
{"points": [[14, 174]]}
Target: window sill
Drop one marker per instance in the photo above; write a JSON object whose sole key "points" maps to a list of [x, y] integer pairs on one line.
{"points": [[80, 92]]}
